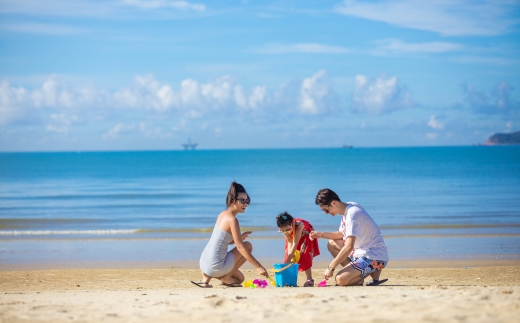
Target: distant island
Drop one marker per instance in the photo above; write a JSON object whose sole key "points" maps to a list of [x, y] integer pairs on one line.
{"points": [[503, 139]]}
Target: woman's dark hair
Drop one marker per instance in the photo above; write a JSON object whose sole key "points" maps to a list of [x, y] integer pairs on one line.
{"points": [[326, 196], [284, 219], [233, 192]]}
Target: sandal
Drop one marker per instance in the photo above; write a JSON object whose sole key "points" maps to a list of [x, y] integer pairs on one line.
{"points": [[309, 283], [232, 285], [376, 282], [202, 284]]}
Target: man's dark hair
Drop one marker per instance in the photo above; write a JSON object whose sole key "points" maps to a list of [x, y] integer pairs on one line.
{"points": [[325, 196]]}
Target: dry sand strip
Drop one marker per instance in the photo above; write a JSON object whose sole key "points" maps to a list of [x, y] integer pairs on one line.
{"points": [[481, 294]]}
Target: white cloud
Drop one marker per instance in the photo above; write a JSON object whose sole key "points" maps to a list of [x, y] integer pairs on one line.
{"points": [[301, 48], [312, 92], [39, 28], [158, 4], [446, 17], [153, 132], [257, 97], [117, 130], [87, 8], [12, 103], [379, 95], [397, 46], [434, 123], [498, 61], [147, 96], [432, 135], [499, 101]]}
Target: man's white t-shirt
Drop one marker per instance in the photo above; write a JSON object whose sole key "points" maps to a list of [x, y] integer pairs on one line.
{"points": [[369, 241]]}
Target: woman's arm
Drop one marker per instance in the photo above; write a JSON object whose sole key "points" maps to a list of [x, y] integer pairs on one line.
{"points": [[237, 237]]}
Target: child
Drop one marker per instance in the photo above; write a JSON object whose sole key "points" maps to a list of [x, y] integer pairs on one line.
{"points": [[297, 237]]}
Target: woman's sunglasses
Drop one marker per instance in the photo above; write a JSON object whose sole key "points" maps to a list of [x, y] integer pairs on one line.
{"points": [[244, 201]]}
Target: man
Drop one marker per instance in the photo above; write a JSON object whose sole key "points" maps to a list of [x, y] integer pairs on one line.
{"points": [[358, 245]]}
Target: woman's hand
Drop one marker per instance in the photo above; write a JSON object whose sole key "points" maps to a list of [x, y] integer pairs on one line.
{"points": [[262, 272], [245, 235]]}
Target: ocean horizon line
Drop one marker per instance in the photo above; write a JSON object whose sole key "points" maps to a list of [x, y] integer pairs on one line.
{"points": [[245, 149]]}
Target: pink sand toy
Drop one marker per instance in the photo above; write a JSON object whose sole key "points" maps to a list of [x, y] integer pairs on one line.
{"points": [[257, 283], [323, 283], [260, 283]]}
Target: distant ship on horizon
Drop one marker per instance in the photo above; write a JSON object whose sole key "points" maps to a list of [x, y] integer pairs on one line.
{"points": [[189, 145]]}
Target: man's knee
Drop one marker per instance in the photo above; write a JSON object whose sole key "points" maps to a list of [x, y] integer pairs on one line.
{"points": [[332, 245], [347, 279]]}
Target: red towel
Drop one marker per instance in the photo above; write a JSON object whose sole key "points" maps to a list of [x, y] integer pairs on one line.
{"points": [[308, 248]]}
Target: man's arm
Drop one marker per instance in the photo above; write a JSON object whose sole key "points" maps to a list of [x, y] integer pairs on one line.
{"points": [[327, 235], [342, 255]]}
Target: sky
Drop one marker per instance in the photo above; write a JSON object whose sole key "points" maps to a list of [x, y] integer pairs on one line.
{"points": [[89, 75]]}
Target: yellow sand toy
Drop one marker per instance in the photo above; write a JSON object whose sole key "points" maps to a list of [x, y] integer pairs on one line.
{"points": [[296, 258]]}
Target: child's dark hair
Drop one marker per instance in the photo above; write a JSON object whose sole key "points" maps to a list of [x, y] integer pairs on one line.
{"points": [[284, 219], [233, 192]]}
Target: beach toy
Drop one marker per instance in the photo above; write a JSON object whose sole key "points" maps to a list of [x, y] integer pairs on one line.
{"points": [[260, 283], [257, 283], [271, 280], [286, 275], [323, 283], [296, 258]]}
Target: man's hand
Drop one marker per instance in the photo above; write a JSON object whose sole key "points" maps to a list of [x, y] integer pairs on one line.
{"points": [[315, 235], [328, 273]]}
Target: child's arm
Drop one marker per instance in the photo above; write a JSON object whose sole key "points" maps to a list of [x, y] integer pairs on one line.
{"points": [[291, 248]]}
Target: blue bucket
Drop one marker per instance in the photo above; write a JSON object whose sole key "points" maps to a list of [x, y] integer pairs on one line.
{"points": [[286, 277]]}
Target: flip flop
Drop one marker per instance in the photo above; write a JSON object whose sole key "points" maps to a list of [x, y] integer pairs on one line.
{"points": [[376, 282], [202, 284], [233, 285]]}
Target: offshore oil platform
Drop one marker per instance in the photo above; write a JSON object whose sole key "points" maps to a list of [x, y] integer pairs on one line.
{"points": [[189, 145]]}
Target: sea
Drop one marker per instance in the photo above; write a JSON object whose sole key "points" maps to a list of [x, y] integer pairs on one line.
{"points": [[100, 208]]}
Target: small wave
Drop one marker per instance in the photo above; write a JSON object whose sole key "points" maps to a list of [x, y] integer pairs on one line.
{"points": [[65, 232]]}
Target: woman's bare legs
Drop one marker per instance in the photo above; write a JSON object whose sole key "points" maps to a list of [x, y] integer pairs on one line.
{"points": [[235, 276], [205, 278]]}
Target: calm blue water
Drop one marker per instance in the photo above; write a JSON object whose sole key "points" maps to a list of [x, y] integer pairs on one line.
{"points": [[441, 191]]}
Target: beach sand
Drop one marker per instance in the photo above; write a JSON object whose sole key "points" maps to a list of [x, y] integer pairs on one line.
{"points": [[484, 292]]}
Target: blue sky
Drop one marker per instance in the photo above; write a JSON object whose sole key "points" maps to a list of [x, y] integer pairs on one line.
{"points": [[80, 75]]}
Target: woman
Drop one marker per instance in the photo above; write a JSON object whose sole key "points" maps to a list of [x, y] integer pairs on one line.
{"points": [[216, 261]]}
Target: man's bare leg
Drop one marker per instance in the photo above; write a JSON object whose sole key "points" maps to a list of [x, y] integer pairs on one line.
{"points": [[335, 247], [349, 276]]}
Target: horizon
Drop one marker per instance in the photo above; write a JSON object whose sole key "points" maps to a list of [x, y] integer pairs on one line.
{"points": [[252, 148]]}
